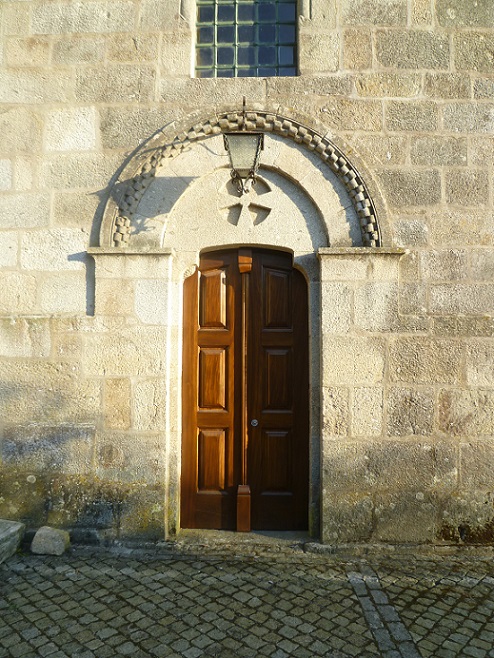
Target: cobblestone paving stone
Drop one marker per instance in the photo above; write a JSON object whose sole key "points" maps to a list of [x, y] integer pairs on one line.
{"points": [[96, 603]]}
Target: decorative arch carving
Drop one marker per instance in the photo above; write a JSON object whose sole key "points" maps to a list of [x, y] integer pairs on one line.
{"points": [[116, 228]]}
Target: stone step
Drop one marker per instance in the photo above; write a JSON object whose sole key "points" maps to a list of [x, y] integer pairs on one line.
{"points": [[11, 534]]}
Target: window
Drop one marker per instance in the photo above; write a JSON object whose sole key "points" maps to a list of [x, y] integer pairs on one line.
{"points": [[240, 38]]}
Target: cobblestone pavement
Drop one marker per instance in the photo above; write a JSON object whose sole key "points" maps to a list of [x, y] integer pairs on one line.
{"points": [[177, 604]]}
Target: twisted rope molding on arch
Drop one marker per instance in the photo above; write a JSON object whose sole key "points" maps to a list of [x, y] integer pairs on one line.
{"points": [[265, 122]]}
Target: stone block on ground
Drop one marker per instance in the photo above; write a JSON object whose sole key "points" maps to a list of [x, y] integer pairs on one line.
{"points": [[11, 533], [50, 541]]}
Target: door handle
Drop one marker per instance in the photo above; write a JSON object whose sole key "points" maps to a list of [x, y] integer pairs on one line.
{"points": [[254, 422]]}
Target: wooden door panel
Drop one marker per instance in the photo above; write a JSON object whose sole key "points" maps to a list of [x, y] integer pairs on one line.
{"points": [[278, 379], [212, 378], [213, 301], [276, 293], [273, 341]]}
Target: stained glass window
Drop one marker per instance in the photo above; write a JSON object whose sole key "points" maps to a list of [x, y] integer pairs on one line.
{"points": [[241, 38]]}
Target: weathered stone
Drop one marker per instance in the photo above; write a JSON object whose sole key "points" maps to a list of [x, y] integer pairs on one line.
{"points": [[413, 49], [90, 170], [480, 363], [114, 297], [27, 337], [16, 19], [413, 117], [76, 49], [339, 298], [444, 265], [482, 264], [454, 227], [24, 210], [21, 131], [71, 130], [124, 458], [335, 412], [388, 84], [454, 13], [376, 306], [413, 298], [405, 517], [75, 209], [28, 52], [469, 117], [156, 15], [415, 187], [149, 405], [40, 448], [369, 12], [467, 187], [175, 53], [483, 88], [353, 361], [466, 412], [117, 83], [437, 151], [425, 361], [347, 518], [381, 149], [18, 292], [28, 86], [464, 325], [461, 298], [79, 17], [447, 85], [468, 517], [5, 175], [349, 114], [410, 411], [319, 52], [60, 249], [132, 47], [11, 533], [422, 13], [50, 541], [411, 232], [357, 49], [117, 403], [63, 292], [366, 411]]}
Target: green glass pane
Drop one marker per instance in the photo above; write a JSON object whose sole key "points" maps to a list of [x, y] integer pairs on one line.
{"points": [[225, 56], [250, 72], [246, 13], [205, 56], [246, 33], [226, 13], [205, 14], [225, 34], [225, 73], [246, 56], [205, 35]]}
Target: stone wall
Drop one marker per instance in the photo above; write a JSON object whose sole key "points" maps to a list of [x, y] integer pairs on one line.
{"points": [[89, 351]]}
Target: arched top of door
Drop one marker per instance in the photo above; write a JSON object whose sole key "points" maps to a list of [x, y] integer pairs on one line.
{"points": [[121, 218]]}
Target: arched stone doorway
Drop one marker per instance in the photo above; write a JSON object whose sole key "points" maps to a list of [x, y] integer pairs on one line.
{"points": [[175, 201]]}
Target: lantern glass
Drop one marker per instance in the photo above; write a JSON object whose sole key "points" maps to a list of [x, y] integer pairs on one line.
{"points": [[244, 149]]}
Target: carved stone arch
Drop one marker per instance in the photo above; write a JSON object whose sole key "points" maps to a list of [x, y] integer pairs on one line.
{"points": [[127, 192]]}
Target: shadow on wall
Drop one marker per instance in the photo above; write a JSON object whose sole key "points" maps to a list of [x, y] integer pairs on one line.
{"points": [[50, 475]]}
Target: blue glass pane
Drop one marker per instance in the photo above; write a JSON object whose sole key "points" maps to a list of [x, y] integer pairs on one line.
{"points": [[224, 73], [286, 12], [225, 56], [266, 72], [267, 55], [267, 33], [286, 55], [247, 73], [205, 14], [205, 73], [267, 12], [246, 56], [226, 14], [287, 71], [246, 33], [205, 35], [225, 34], [286, 34], [245, 13], [205, 56]]}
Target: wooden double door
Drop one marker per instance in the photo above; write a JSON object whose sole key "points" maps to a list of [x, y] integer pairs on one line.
{"points": [[245, 445]]}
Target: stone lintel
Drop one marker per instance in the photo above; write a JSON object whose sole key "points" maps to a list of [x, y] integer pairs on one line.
{"points": [[361, 251]]}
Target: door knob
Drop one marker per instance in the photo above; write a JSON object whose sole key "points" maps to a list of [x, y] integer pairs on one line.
{"points": [[254, 422]]}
